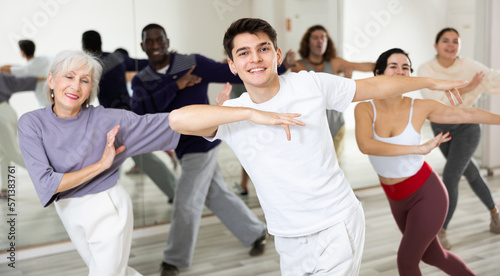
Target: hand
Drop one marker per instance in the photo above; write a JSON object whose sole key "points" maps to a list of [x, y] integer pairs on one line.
{"points": [[188, 79], [285, 120], [347, 70], [224, 96], [289, 59], [110, 152], [450, 88], [474, 83], [434, 143], [453, 95], [5, 69]]}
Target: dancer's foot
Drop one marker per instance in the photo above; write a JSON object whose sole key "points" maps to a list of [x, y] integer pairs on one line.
{"points": [[495, 221], [443, 239]]}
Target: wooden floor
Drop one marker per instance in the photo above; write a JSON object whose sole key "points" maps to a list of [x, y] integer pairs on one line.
{"points": [[219, 253]]}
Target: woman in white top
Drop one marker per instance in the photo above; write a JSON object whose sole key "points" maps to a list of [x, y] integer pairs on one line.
{"points": [[448, 65], [389, 131]]}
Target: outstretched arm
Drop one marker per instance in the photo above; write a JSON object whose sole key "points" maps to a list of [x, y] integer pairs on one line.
{"points": [[380, 87], [5, 69], [204, 120], [444, 114], [341, 65]]}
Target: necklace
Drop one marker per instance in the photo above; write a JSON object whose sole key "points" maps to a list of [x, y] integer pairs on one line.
{"points": [[316, 63]]}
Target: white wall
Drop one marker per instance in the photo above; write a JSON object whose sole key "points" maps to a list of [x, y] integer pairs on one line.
{"points": [[303, 14], [385, 24], [57, 25]]}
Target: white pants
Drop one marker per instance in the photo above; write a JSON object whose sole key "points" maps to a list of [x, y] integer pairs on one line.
{"points": [[9, 146], [334, 251], [100, 226]]}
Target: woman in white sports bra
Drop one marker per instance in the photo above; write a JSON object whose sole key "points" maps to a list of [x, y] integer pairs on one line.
{"points": [[388, 131]]}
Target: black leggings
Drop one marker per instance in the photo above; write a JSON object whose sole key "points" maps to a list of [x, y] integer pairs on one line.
{"points": [[458, 153], [419, 217]]}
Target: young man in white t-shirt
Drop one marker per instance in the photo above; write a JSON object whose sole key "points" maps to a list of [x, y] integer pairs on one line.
{"points": [[309, 206]]}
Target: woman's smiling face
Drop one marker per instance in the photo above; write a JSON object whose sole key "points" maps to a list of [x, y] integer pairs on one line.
{"points": [[448, 45], [71, 90]]}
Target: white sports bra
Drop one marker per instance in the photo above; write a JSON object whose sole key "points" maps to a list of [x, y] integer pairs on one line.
{"points": [[402, 165]]}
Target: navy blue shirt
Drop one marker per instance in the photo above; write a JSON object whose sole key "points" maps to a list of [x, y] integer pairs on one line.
{"points": [[155, 92], [113, 91]]}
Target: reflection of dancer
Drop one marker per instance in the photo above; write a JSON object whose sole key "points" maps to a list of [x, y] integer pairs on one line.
{"points": [[37, 66], [309, 205], [73, 152], [9, 147], [459, 151], [113, 93], [388, 130], [319, 54]]}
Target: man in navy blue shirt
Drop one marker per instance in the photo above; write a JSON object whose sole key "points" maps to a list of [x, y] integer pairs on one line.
{"points": [[113, 93], [171, 81]]}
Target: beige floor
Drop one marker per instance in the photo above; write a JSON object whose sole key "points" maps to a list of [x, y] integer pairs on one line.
{"points": [[219, 253]]}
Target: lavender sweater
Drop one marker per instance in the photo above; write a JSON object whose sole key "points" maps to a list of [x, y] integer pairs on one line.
{"points": [[52, 146]]}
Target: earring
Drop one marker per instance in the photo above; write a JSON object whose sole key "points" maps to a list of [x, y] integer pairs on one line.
{"points": [[52, 93]]}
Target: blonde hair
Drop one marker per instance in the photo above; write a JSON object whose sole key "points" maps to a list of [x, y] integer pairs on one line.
{"points": [[67, 61]]}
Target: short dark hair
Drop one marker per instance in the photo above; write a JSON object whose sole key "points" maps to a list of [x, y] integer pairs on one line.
{"points": [[27, 46], [91, 42], [247, 25], [441, 33], [304, 50], [381, 63], [122, 51], [152, 26]]}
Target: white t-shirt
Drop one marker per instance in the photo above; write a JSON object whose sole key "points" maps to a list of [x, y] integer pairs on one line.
{"points": [[300, 186], [462, 69], [38, 67]]}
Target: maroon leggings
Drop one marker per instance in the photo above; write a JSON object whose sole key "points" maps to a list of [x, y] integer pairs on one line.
{"points": [[419, 217]]}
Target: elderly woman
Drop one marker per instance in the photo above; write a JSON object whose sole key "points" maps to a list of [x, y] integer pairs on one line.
{"points": [[73, 150]]}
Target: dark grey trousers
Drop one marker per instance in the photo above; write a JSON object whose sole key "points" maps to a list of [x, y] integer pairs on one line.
{"points": [[458, 153], [159, 173], [201, 184]]}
